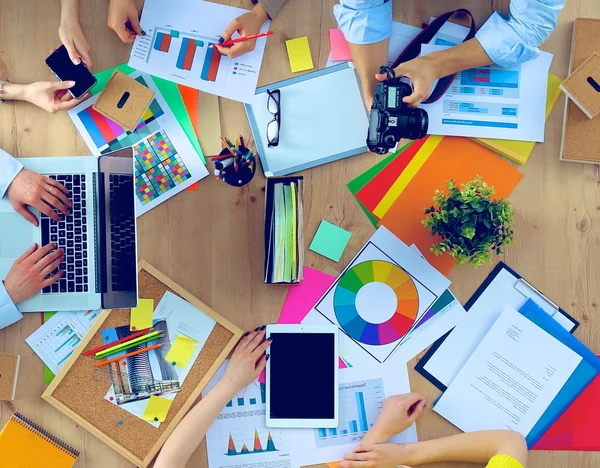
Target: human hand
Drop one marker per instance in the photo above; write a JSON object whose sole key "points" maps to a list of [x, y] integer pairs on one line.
{"points": [[51, 96], [247, 361], [246, 25], [28, 275], [378, 455], [422, 71], [121, 12], [40, 192], [74, 40], [397, 414]]}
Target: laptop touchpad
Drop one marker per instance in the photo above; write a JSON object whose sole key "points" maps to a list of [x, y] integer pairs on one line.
{"points": [[16, 235]]}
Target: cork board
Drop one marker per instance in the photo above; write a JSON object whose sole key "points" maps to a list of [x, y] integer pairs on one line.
{"points": [[581, 136], [79, 388], [9, 371]]}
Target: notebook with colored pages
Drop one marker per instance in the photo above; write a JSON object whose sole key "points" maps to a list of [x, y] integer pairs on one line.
{"points": [[24, 444]]}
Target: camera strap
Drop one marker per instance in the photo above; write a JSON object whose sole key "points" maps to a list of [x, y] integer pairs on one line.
{"points": [[413, 49]]}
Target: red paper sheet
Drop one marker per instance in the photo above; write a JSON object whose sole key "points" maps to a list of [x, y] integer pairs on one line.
{"points": [[190, 99], [372, 193], [578, 428]]}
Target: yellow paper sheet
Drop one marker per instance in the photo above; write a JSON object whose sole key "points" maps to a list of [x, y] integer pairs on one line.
{"points": [[299, 54], [181, 351], [141, 316], [407, 174], [519, 151], [157, 409]]}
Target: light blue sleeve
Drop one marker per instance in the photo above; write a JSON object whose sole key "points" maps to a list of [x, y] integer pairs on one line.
{"points": [[9, 168], [514, 39], [9, 313], [364, 21]]}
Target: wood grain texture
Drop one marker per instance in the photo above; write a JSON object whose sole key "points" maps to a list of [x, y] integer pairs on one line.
{"points": [[211, 239]]}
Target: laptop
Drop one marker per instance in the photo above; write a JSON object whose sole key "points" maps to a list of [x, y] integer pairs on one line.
{"points": [[99, 236]]}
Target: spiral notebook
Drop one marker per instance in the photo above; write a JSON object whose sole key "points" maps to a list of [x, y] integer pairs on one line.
{"points": [[26, 445]]}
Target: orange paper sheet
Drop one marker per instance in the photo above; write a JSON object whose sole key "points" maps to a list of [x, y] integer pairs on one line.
{"points": [[190, 99], [454, 158]]}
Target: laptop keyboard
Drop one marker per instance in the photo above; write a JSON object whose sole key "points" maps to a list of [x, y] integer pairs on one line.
{"points": [[122, 232], [70, 234]]}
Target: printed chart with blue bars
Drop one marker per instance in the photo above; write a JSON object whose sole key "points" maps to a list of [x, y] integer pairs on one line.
{"points": [[158, 167], [253, 395], [190, 53], [360, 404]]}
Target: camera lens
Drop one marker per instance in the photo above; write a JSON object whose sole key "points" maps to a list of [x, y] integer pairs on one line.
{"points": [[417, 124]]}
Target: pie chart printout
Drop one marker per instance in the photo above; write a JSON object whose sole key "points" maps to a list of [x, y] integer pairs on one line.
{"points": [[376, 302]]}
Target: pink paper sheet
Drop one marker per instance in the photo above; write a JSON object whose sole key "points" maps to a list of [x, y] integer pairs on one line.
{"points": [[301, 298], [339, 46]]}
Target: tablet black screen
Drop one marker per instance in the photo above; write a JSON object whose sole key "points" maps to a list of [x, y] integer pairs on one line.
{"points": [[302, 376]]}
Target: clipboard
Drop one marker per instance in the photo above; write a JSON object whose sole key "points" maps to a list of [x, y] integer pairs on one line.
{"points": [[501, 278]]}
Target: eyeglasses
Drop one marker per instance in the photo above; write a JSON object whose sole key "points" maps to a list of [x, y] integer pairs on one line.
{"points": [[274, 107]]}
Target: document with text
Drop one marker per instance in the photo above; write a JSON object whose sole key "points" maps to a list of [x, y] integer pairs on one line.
{"points": [[510, 379]]}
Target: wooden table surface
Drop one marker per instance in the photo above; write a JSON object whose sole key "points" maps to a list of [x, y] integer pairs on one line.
{"points": [[210, 241]]}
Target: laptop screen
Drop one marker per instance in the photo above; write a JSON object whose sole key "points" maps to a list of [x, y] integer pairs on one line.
{"points": [[118, 231]]}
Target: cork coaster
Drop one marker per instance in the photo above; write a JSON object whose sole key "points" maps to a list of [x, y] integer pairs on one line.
{"points": [[583, 86]]}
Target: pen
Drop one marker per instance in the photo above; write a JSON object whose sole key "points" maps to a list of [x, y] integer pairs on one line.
{"points": [[244, 38]]}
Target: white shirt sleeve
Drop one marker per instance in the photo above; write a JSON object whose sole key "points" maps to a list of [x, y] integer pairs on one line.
{"points": [[9, 168], [9, 313]]}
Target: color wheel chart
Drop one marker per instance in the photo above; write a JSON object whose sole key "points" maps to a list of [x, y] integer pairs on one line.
{"points": [[372, 272], [109, 136], [188, 52], [376, 303], [158, 167], [360, 404]]}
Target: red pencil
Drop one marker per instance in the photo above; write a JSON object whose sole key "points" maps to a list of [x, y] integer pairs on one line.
{"points": [[133, 353], [122, 340], [243, 39]]}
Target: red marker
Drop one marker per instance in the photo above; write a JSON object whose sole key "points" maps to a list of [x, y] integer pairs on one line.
{"points": [[230, 42]]}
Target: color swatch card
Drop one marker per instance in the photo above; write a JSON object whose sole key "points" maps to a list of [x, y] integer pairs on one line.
{"points": [[165, 161], [299, 54], [179, 42]]}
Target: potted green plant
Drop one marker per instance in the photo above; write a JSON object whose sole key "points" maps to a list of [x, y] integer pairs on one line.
{"points": [[469, 222]]}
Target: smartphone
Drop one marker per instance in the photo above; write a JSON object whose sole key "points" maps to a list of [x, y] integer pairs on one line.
{"points": [[64, 69]]}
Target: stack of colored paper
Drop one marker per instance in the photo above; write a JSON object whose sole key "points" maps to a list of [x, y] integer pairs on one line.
{"points": [[396, 191]]}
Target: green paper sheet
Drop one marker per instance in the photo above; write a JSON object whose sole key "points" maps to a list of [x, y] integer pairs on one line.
{"points": [[171, 94], [330, 241], [359, 182]]}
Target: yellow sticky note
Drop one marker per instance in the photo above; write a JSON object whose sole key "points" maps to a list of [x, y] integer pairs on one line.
{"points": [[299, 54], [157, 409], [181, 351], [141, 316]]}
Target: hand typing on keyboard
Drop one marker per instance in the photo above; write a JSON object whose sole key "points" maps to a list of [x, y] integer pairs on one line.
{"points": [[36, 269], [42, 193]]}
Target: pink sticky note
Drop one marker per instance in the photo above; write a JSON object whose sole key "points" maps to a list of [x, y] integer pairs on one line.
{"points": [[301, 298], [339, 46]]}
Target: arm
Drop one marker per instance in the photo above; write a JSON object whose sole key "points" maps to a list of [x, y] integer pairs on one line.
{"points": [[71, 35], [472, 447], [247, 362], [123, 19], [514, 39], [9, 313], [10, 168], [246, 25], [271, 7], [367, 26], [52, 96]]}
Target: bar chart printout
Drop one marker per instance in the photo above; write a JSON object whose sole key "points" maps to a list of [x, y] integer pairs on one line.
{"points": [[360, 404]]}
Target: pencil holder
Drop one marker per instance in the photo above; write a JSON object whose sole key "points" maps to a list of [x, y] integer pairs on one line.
{"points": [[227, 173]]}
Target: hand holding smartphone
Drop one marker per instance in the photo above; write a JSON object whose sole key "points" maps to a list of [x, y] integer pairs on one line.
{"points": [[64, 69]]}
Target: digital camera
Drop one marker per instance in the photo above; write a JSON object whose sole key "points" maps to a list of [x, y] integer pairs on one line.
{"points": [[391, 119]]}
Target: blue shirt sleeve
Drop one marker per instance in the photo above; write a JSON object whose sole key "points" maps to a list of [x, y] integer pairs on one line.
{"points": [[9, 313], [514, 39], [9, 168], [364, 21]]}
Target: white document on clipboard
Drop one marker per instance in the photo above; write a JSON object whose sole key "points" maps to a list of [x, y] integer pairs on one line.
{"points": [[505, 290]]}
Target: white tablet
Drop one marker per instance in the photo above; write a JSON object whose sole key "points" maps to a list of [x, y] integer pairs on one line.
{"points": [[302, 376]]}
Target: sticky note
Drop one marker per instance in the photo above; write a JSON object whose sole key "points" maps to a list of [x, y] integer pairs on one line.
{"points": [[339, 46], [141, 316], [157, 409], [299, 54], [181, 351], [330, 241]]}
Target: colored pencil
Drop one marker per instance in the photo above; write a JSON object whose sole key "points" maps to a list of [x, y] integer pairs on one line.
{"points": [[147, 340], [114, 343], [133, 353], [135, 340], [218, 158], [244, 38]]}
